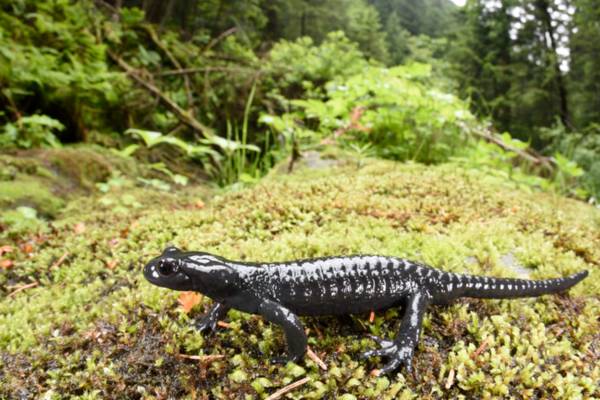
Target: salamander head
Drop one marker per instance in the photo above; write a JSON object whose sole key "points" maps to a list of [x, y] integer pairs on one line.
{"points": [[197, 271], [167, 271]]}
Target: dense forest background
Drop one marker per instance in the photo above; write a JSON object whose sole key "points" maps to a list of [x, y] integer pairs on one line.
{"points": [[465, 138], [235, 86]]}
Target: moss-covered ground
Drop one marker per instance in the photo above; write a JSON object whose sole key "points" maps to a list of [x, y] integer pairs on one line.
{"points": [[78, 320]]}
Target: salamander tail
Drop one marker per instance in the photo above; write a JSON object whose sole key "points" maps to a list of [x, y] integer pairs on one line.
{"points": [[501, 288]]}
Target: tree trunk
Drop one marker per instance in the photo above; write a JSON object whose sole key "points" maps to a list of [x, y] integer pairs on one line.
{"points": [[565, 118]]}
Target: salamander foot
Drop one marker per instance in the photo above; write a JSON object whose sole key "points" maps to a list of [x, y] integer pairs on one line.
{"points": [[397, 353]]}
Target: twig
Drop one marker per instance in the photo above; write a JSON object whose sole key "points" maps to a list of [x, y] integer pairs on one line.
{"points": [[59, 261], [287, 388], [480, 349], [21, 288], [533, 158], [318, 331], [186, 80], [189, 71], [110, 7], [222, 36], [13, 107], [223, 324], [203, 359], [296, 155], [183, 115], [311, 354]]}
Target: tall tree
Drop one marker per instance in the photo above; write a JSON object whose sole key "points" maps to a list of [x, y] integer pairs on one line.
{"points": [[541, 34], [512, 60], [419, 17], [482, 56], [397, 38], [584, 72], [549, 15]]}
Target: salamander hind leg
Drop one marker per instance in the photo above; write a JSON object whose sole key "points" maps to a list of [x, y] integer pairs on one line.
{"points": [[400, 351], [292, 327]]}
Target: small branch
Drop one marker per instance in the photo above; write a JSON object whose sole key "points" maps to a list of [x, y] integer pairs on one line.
{"points": [[110, 7], [222, 36], [295, 156], [203, 359], [13, 107], [287, 389], [480, 349], [186, 80], [223, 324], [311, 354], [190, 71], [59, 261], [21, 288], [181, 114], [533, 158]]}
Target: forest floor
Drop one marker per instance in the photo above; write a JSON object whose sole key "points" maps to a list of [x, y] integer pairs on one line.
{"points": [[78, 319]]}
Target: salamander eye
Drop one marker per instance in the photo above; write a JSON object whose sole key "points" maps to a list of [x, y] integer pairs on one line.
{"points": [[166, 268]]}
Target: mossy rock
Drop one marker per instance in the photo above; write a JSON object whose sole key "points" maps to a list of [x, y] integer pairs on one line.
{"points": [[85, 166], [45, 178], [89, 325], [29, 192], [73, 167]]}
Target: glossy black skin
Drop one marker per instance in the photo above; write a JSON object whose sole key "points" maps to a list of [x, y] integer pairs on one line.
{"points": [[280, 292]]}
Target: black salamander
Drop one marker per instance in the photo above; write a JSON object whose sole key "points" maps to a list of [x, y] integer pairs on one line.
{"points": [[282, 291]]}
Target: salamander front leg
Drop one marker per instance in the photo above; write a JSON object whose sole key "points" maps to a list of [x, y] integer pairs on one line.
{"points": [[292, 327], [401, 349], [210, 319]]}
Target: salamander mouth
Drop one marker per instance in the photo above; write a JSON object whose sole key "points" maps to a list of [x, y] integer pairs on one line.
{"points": [[150, 273]]}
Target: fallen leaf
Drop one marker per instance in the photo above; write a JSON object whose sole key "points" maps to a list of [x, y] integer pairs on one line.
{"points": [[450, 380], [40, 239], [79, 228], [188, 300], [5, 249], [6, 264], [27, 248]]}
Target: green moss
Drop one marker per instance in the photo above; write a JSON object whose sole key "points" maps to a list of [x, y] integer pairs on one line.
{"points": [[29, 192], [86, 166], [44, 179], [48, 179], [93, 326]]}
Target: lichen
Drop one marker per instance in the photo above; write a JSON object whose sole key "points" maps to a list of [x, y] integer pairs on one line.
{"points": [[93, 327]]}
